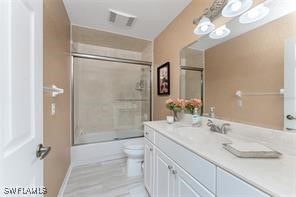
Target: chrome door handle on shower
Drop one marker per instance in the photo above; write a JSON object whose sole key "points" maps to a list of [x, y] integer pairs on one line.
{"points": [[290, 117], [42, 151]]}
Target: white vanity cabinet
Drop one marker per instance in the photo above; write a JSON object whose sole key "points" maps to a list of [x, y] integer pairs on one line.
{"points": [[162, 176], [149, 152], [186, 185], [229, 185], [171, 170], [149, 134], [173, 181], [200, 169]]}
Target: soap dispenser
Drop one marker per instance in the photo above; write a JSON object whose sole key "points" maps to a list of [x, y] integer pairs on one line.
{"points": [[196, 119], [212, 112]]}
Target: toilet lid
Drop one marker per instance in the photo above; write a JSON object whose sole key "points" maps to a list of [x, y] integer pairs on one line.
{"points": [[134, 145]]}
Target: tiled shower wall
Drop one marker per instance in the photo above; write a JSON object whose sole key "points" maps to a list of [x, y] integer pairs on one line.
{"points": [[91, 41], [100, 85], [103, 91]]}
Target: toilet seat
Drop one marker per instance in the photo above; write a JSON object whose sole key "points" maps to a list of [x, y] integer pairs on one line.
{"points": [[137, 144], [134, 145]]}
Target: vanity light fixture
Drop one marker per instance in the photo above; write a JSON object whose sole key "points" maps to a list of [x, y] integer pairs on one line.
{"points": [[255, 14], [236, 7], [204, 23], [220, 32], [204, 26]]}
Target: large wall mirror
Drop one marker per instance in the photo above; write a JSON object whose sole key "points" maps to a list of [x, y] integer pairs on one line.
{"points": [[249, 75]]}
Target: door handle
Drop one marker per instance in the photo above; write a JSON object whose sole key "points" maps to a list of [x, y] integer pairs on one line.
{"points": [[174, 172], [290, 129], [42, 151], [290, 117]]}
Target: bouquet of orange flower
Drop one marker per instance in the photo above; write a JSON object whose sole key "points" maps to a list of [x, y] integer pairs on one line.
{"points": [[176, 105], [190, 105]]}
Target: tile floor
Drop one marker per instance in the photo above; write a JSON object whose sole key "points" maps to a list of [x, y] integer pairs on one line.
{"points": [[106, 179]]}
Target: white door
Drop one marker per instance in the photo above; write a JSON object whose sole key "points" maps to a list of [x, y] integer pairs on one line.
{"points": [[163, 178], [148, 166], [20, 94], [290, 85], [186, 185]]}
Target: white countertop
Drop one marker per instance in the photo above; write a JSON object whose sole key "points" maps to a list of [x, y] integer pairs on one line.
{"points": [[276, 177]]}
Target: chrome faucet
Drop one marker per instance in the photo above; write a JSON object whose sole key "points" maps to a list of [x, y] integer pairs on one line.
{"points": [[224, 127], [217, 128]]}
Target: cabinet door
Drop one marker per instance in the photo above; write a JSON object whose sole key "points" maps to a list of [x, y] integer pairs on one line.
{"points": [[163, 179], [186, 185], [199, 168], [231, 186], [148, 166]]}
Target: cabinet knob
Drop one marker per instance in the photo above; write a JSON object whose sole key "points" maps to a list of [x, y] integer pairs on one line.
{"points": [[170, 167], [146, 133], [151, 149]]}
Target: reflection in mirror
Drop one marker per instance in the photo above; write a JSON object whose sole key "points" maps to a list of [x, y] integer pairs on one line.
{"points": [[191, 83], [191, 74], [244, 72]]}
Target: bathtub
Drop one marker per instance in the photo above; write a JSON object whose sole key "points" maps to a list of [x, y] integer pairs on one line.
{"points": [[95, 137], [94, 152]]}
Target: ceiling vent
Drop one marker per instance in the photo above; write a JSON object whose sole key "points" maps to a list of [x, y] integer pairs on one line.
{"points": [[121, 19]]}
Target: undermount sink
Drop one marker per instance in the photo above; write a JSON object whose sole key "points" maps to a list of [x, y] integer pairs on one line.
{"points": [[196, 134]]}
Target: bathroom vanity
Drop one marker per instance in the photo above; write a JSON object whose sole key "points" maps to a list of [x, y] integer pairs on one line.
{"points": [[181, 160]]}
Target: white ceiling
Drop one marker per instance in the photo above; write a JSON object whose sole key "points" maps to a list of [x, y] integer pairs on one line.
{"points": [[152, 15]]}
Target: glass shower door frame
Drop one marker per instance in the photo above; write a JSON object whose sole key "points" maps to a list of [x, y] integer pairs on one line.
{"points": [[102, 58]]}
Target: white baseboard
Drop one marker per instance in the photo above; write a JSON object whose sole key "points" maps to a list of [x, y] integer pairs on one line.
{"points": [[97, 152], [64, 184]]}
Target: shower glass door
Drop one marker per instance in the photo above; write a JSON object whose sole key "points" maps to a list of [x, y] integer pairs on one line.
{"points": [[111, 100]]}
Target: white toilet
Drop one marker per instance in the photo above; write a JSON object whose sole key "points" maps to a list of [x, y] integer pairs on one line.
{"points": [[134, 151]]}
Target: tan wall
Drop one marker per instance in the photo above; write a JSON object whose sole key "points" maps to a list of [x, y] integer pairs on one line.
{"points": [[167, 47], [56, 71], [253, 62]]}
